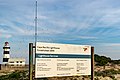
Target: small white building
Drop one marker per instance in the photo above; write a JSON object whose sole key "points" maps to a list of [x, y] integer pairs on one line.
{"points": [[16, 62]]}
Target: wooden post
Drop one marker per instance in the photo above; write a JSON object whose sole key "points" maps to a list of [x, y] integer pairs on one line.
{"points": [[92, 63], [30, 61]]}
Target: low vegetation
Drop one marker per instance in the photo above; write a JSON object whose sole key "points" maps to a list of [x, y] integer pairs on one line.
{"points": [[107, 72], [103, 60], [16, 75]]}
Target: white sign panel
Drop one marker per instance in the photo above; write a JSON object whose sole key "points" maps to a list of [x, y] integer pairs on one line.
{"points": [[62, 60]]}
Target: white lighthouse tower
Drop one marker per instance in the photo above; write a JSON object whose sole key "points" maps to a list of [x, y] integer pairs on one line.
{"points": [[6, 53]]}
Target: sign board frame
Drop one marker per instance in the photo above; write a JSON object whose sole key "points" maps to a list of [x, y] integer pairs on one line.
{"points": [[53, 56]]}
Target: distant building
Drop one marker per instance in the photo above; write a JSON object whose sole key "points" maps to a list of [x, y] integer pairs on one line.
{"points": [[16, 62], [11, 61]]}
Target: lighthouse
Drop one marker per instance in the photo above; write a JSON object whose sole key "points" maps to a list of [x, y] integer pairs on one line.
{"points": [[6, 53]]}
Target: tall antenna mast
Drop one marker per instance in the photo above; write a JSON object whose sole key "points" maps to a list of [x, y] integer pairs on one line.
{"points": [[36, 23]]}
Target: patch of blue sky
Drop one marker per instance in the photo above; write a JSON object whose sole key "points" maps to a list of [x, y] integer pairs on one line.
{"points": [[94, 22]]}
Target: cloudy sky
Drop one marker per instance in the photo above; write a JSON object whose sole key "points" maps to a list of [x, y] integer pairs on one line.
{"points": [[82, 22]]}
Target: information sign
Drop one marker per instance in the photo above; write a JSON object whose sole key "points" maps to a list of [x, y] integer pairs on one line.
{"points": [[54, 60]]}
